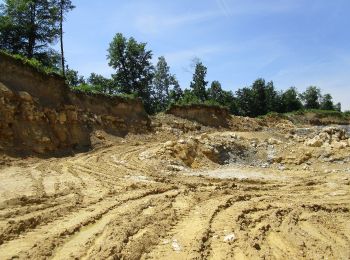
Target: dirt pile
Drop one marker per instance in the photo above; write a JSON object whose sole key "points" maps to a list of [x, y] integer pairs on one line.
{"points": [[38, 113], [335, 137], [200, 151], [214, 116]]}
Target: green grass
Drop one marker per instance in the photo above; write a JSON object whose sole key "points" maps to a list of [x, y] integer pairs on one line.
{"points": [[321, 113], [89, 90], [33, 63]]}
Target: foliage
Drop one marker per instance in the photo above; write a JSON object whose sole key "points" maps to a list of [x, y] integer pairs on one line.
{"points": [[311, 97], [34, 63], [134, 70], [198, 84], [73, 79], [104, 85], [290, 100], [166, 88], [29, 27]]}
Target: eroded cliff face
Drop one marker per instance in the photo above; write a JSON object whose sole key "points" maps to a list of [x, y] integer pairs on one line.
{"points": [[213, 116], [38, 113]]}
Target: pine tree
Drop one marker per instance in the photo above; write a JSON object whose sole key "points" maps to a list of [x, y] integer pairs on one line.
{"points": [[198, 84]]}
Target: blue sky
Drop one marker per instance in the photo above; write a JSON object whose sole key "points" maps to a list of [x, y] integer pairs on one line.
{"points": [[292, 42]]}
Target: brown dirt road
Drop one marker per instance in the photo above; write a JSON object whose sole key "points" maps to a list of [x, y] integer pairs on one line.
{"points": [[118, 202]]}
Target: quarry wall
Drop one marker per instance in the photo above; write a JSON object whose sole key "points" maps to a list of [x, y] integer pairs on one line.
{"points": [[40, 114]]}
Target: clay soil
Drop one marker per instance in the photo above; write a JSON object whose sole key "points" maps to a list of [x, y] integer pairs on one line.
{"points": [[181, 191]]}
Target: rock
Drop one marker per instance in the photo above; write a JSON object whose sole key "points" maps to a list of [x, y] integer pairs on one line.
{"points": [[62, 118], [314, 142], [25, 96], [181, 141], [175, 168], [230, 238], [72, 115], [273, 141], [4, 91], [45, 139], [339, 145], [169, 144], [176, 246]]}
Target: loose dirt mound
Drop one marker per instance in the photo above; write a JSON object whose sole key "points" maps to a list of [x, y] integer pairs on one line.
{"points": [[204, 114]]}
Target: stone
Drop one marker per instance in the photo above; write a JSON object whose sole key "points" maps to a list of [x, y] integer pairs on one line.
{"points": [[230, 238], [339, 145], [273, 141], [314, 142], [5, 91], [62, 118], [25, 96], [181, 141], [169, 144]]}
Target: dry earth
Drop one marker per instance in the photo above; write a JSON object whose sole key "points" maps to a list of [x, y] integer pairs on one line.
{"points": [[183, 192]]}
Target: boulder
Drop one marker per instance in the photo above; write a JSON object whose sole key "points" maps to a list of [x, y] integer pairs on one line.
{"points": [[25, 96]]}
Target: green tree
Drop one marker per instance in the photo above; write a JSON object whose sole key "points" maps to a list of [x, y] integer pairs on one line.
{"points": [[327, 102], [175, 94], [311, 97], [215, 91], [259, 105], [338, 107], [163, 83], [134, 70], [198, 84], [290, 100], [245, 102], [29, 27], [73, 79], [102, 84]]}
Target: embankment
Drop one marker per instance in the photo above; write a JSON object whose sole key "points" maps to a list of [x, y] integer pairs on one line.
{"points": [[40, 114], [213, 116]]}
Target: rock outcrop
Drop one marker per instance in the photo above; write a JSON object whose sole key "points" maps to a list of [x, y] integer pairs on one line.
{"points": [[39, 113]]}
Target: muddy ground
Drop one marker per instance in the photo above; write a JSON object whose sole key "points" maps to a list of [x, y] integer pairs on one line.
{"points": [[183, 191]]}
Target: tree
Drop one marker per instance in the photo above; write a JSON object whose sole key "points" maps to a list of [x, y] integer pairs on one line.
{"points": [[198, 84], [245, 101], [311, 97], [259, 105], [102, 84], [175, 94], [73, 79], [327, 102], [290, 100], [134, 71], [215, 91], [64, 7], [28, 27], [338, 107], [163, 83]]}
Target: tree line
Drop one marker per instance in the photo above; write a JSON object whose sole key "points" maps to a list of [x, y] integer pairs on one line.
{"points": [[31, 27]]}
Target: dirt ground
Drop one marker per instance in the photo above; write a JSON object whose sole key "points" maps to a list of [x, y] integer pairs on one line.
{"points": [[183, 192]]}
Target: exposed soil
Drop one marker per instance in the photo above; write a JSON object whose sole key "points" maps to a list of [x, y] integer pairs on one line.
{"points": [[183, 191]]}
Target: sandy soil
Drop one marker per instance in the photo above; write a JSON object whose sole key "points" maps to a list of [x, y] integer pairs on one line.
{"points": [[122, 201]]}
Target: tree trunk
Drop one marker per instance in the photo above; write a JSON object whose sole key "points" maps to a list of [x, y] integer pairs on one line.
{"points": [[32, 31], [61, 38]]}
